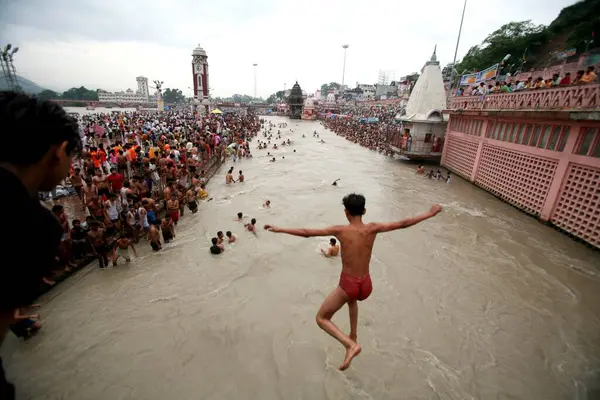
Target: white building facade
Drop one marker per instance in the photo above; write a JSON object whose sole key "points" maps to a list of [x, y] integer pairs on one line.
{"points": [[142, 83], [142, 95], [368, 91]]}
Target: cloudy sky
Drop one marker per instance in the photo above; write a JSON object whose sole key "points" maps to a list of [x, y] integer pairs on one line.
{"points": [[107, 43]]}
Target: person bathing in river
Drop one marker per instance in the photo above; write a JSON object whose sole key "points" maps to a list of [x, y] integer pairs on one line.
{"points": [[334, 249], [216, 248], [356, 239], [251, 226], [154, 235], [121, 249], [241, 177], [191, 200], [229, 177], [167, 228], [231, 238], [267, 204]]}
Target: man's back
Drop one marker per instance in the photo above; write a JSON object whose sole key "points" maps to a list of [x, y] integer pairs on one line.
{"points": [[357, 244]]}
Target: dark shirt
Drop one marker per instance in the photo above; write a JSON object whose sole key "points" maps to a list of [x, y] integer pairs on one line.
{"points": [[216, 250], [78, 234], [33, 237], [7, 389]]}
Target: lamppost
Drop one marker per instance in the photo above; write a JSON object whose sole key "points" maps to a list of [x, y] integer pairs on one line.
{"points": [[345, 47], [255, 65], [8, 67], [456, 50]]}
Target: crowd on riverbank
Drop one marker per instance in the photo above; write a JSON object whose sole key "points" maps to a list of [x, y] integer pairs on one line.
{"points": [[136, 176], [372, 127], [531, 83]]}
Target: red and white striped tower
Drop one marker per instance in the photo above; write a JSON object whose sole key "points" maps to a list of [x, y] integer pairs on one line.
{"points": [[200, 73]]}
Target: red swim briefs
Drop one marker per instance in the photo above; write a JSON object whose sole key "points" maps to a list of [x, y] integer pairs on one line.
{"points": [[356, 288], [174, 214]]}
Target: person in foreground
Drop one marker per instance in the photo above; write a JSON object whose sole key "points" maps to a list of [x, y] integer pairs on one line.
{"points": [[356, 239], [52, 141]]}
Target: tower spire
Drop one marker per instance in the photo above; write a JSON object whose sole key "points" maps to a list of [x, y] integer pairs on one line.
{"points": [[434, 56]]}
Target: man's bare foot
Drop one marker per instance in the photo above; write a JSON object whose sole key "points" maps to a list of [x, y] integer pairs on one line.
{"points": [[352, 352]]}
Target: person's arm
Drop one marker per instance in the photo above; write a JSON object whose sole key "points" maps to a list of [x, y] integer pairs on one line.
{"points": [[329, 231], [327, 253], [407, 222]]}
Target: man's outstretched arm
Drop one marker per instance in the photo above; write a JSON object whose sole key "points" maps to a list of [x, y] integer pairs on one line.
{"points": [[405, 223], [330, 231]]}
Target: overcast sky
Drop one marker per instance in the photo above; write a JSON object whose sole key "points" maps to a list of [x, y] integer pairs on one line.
{"points": [[107, 43]]}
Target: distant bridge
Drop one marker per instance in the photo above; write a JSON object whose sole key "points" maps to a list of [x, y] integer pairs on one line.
{"points": [[153, 104], [103, 104], [242, 105]]}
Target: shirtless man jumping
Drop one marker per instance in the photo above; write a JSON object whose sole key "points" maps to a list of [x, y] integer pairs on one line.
{"points": [[357, 240]]}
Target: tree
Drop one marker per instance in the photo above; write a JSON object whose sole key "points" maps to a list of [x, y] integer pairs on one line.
{"points": [[173, 96], [80, 93], [325, 88], [514, 38], [47, 95], [447, 71], [275, 97]]}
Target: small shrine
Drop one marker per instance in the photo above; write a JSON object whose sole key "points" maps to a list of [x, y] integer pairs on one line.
{"points": [[423, 122], [309, 110], [296, 102]]}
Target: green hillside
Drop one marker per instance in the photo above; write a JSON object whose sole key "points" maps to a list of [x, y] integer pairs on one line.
{"points": [[573, 28], [27, 85]]}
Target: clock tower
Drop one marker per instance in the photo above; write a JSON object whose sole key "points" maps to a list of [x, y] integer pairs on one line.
{"points": [[200, 74]]}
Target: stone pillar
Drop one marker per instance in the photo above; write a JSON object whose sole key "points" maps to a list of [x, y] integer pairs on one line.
{"points": [[479, 149], [560, 172]]}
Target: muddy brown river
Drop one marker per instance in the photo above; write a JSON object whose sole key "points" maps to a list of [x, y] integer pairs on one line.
{"points": [[481, 302]]}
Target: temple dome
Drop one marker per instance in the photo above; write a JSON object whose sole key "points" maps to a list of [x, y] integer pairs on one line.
{"points": [[428, 97], [331, 98]]}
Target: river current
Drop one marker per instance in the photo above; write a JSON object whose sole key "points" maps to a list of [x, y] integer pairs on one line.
{"points": [[481, 302]]}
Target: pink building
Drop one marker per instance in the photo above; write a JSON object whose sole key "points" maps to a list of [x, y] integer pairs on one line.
{"points": [[537, 149]]}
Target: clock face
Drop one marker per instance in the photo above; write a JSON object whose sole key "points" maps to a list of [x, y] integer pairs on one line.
{"points": [[198, 68]]}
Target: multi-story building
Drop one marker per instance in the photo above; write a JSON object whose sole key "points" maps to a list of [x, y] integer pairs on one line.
{"points": [[368, 91], [142, 95], [142, 83], [128, 96]]}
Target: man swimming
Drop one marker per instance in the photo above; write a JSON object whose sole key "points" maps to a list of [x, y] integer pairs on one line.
{"points": [[334, 249], [251, 226], [356, 239]]}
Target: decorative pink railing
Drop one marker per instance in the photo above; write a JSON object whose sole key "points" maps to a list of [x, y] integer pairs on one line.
{"points": [[559, 98]]}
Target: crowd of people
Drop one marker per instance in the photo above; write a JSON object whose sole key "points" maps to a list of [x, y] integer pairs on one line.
{"points": [[372, 127], [582, 77], [135, 175]]}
